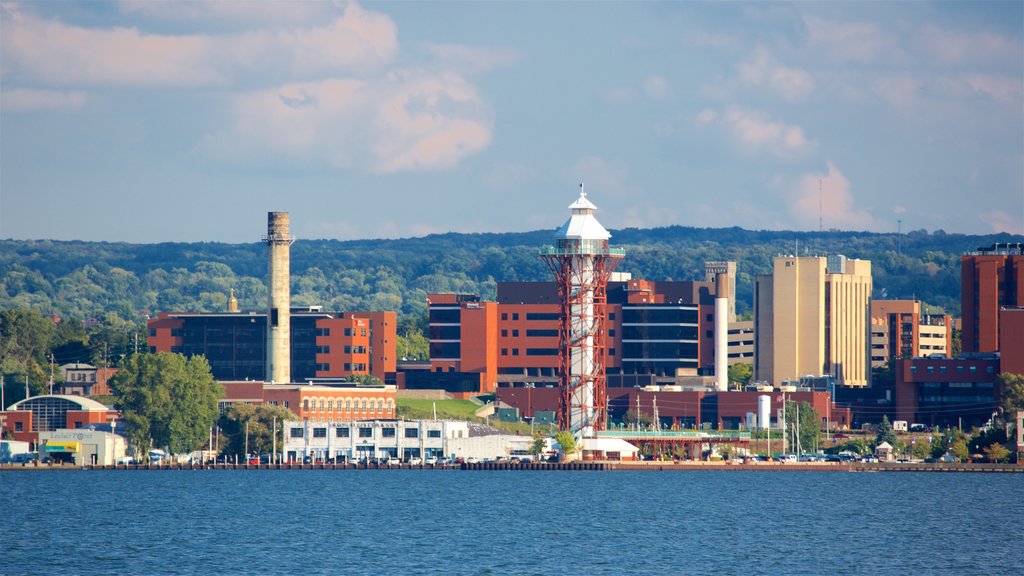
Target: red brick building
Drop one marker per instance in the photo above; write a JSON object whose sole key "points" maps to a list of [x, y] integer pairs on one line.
{"points": [[333, 403], [1011, 340], [27, 418], [990, 279], [947, 391]]}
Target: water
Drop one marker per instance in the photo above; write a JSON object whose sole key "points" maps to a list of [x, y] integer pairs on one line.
{"points": [[450, 522]]}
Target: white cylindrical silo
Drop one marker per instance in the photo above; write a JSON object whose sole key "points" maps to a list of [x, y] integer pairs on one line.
{"points": [[722, 332], [764, 412]]}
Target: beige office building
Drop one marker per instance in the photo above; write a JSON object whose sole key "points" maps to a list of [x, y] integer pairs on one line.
{"points": [[812, 318]]}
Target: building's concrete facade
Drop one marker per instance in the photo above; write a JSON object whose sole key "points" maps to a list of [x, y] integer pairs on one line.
{"points": [[366, 440], [82, 447], [811, 320]]}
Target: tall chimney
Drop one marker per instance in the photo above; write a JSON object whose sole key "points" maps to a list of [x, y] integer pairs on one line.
{"points": [[722, 332], [279, 242]]}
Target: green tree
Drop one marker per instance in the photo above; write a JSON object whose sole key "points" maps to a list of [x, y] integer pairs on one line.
{"points": [[567, 442], [803, 418], [741, 373], [959, 449], [921, 448], [1011, 391], [632, 418], [167, 400], [413, 346], [537, 446], [363, 379], [885, 433], [260, 420], [25, 337]]}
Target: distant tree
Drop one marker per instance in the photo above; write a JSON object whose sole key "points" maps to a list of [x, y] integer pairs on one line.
{"points": [[632, 418], [885, 433], [997, 453], [921, 448], [741, 373], [804, 418], [537, 446], [167, 400], [363, 379], [566, 440], [1011, 391], [956, 347], [413, 346], [25, 337], [959, 449], [260, 419]]}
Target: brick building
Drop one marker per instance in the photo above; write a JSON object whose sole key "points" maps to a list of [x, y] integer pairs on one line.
{"points": [[990, 279], [900, 330], [323, 344], [27, 418], [336, 402]]}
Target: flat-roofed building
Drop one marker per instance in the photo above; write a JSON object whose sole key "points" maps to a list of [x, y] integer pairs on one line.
{"points": [[741, 342], [811, 318], [900, 330], [368, 440], [990, 279]]}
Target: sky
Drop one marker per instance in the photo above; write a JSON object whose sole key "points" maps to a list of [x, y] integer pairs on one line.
{"points": [[151, 121]]}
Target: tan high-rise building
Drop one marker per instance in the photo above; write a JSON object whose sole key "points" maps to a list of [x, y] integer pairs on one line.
{"points": [[812, 318]]}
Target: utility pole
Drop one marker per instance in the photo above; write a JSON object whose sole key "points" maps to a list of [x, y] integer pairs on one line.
{"points": [[246, 442], [273, 455], [51, 372]]}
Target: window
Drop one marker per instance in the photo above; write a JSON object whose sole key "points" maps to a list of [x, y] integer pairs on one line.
{"points": [[387, 432], [515, 351], [319, 432], [323, 349], [913, 369], [152, 332], [515, 333], [412, 433], [323, 331], [611, 315], [152, 349], [541, 316], [710, 317], [515, 315], [341, 432], [611, 332], [348, 349], [542, 351], [365, 432], [362, 332], [433, 433], [177, 332], [295, 433], [504, 351], [709, 334], [611, 351], [543, 333], [973, 369], [504, 333], [18, 427], [348, 331]]}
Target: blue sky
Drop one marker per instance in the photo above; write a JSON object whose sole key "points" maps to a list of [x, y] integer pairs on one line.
{"points": [[164, 121]]}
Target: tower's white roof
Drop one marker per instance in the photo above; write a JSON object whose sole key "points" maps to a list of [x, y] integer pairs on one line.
{"points": [[582, 224]]}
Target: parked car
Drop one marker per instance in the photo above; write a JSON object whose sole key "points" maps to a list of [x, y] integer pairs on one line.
{"points": [[415, 461], [126, 460], [430, 460], [472, 460], [392, 461]]}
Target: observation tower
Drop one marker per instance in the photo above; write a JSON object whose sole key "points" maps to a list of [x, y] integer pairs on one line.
{"points": [[582, 263]]}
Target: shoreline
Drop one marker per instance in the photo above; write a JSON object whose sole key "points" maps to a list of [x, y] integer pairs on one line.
{"points": [[682, 466]]}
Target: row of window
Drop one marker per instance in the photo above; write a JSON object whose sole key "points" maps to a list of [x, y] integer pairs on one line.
{"points": [[959, 369], [349, 405], [364, 432], [538, 316], [541, 351]]}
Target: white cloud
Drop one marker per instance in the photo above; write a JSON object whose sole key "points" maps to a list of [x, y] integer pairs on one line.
{"points": [[243, 13], [828, 195], [756, 132], [706, 116], [471, 59], [410, 120], [1002, 221], [981, 48], [51, 52], [27, 100], [761, 69], [657, 88], [1005, 89], [859, 42], [898, 91]]}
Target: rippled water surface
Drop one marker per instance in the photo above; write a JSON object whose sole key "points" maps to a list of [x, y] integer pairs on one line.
{"points": [[452, 522]]}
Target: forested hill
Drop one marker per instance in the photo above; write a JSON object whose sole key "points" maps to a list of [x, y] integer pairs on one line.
{"points": [[123, 281]]}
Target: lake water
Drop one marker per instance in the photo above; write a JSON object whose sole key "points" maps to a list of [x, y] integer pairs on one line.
{"points": [[451, 522]]}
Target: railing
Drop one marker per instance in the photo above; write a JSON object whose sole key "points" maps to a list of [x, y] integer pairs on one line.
{"points": [[553, 251], [674, 434]]}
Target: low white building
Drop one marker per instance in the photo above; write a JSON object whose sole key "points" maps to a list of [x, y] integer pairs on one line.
{"points": [[490, 447], [82, 447], [370, 439]]}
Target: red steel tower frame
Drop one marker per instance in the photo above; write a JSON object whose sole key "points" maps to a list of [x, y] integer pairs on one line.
{"points": [[582, 264]]}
